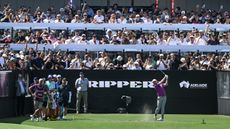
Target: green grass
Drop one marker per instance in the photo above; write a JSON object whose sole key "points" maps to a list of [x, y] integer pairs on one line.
{"points": [[121, 121]]}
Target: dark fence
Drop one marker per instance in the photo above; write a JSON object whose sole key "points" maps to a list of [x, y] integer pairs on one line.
{"points": [[188, 91]]}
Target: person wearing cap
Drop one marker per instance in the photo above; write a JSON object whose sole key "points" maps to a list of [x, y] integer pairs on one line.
{"points": [[136, 66], [59, 80], [76, 19], [161, 96], [109, 35], [38, 91], [183, 65], [50, 83], [191, 40], [138, 19], [81, 84]]}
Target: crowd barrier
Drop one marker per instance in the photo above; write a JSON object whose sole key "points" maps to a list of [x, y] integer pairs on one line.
{"points": [[91, 26], [121, 48]]}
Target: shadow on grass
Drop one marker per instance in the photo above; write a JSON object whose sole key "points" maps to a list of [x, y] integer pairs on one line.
{"points": [[14, 120], [19, 120]]}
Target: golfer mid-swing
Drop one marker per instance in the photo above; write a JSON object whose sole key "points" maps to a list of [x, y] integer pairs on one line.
{"points": [[161, 96]]}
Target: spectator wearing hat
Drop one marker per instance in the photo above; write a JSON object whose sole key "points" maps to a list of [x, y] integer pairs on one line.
{"points": [[50, 83], [183, 65], [83, 40], [59, 80], [191, 40], [81, 85], [109, 35], [114, 40], [76, 19], [136, 66], [138, 19], [38, 91]]}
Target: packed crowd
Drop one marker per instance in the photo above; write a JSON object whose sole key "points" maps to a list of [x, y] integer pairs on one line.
{"points": [[38, 60], [55, 37], [114, 14]]}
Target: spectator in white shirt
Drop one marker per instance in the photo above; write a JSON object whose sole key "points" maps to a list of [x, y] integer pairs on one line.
{"points": [[48, 19], [98, 18], [58, 19], [122, 20], [182, 40], [83, 40], [76, 19], [161, 40], [161, 63], [113, 18], [191, 40], [199, 40], [136, 66], [94, 40], [76, 37], [88, 61], [173, 39], [75, 63]]}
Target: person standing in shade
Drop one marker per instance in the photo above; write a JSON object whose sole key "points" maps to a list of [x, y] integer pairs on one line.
{"points": [[81, 84], [20, 93], [161, 96], [64, 98]]}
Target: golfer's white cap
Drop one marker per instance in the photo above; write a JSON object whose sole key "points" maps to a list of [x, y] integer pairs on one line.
{"points": [[154, 80]]}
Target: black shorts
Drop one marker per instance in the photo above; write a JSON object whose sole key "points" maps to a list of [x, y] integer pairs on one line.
{"points": [[64, 103]]}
